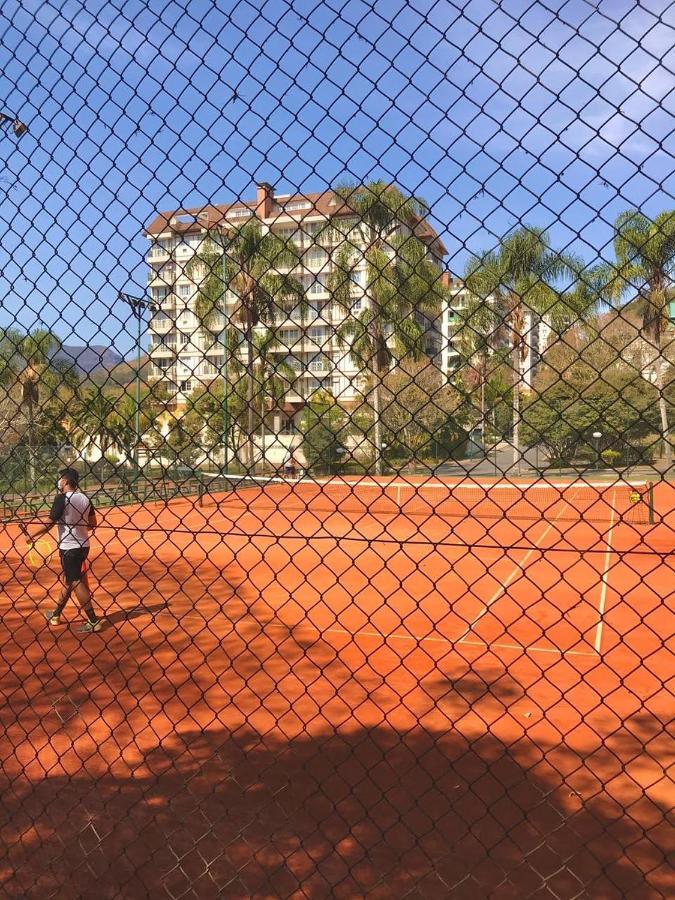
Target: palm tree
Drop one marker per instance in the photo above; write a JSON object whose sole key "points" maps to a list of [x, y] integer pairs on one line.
{"points": [[247, 263], [645, 263], [400, 280], [273, 376], [508, 286], [101, 419], [29, 362]]}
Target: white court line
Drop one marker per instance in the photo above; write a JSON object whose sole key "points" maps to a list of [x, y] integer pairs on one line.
{"points": [[501, 590], [602, 601], [393, 636], [435, 640]]}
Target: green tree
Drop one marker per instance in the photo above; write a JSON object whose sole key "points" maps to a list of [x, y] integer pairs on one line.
{"points": [[45, 386], [421, 411], [325, 427], [645, 263], [508, 285], [571, 401], [399, 281], [101, 419], [248, 264], [184, 443], [483, 375], [273, 377], [208, 403]]}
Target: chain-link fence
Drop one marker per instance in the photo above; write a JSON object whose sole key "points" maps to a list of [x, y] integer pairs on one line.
{"points": [[337, 388]]}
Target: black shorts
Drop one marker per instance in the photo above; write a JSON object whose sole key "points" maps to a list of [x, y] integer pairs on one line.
{"points": [[73, 564]]}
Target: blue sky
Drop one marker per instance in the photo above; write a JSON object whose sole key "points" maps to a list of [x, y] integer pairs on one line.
{"points": [[558, 114]]}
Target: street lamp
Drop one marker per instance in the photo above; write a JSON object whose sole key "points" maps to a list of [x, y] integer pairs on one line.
{"points": [[138, 306], [18, 127], [596, 436]]}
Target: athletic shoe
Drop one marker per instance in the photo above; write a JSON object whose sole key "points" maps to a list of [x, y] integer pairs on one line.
{"points": [[90, 627], [52, 619]]}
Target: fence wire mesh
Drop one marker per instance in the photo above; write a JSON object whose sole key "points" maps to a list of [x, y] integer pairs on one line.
{"points": [[336, 397]]}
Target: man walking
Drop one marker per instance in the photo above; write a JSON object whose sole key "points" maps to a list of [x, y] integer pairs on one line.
{"points": [[73, 514]]}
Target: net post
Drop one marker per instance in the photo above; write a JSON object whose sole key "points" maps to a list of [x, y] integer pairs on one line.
{"points": [[650, 501]]}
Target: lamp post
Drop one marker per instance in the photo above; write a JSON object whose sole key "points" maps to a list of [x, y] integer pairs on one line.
{"points": [[339, 454], [596, 436], [138, 306], [226, 422]]}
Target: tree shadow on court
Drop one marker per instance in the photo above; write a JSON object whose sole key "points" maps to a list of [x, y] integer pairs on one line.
{"points": [[212, 757], [135, 612], [345, 787]]}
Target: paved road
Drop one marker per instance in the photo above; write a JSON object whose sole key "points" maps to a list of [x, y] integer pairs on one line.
{"points": [[500, 464]]}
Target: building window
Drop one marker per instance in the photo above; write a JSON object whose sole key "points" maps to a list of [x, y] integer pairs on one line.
{"points": [[186, 386], [319, 333], [315, 256], [287, 426], [315, 384], [297, 204], [183, 338], [184, 290], [162, 246], [189, 363], [289, 336], [187, 319], [238, 214], [294, 363], [318, 286], [159, 294], [319, 363]]}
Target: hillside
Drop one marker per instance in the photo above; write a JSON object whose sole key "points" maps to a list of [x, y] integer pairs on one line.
{"points": [[120, 374], [89, 358]]}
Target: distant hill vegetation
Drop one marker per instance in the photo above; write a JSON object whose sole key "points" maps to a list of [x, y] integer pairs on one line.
{"points": [[89, 358], [119, 375], [102, 366]]}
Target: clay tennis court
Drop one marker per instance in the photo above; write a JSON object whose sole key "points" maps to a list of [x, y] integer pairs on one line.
{"points": [[317, 704]]}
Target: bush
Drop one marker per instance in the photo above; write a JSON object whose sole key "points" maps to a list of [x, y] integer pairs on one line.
{"points": [[611, 457], [325, 428]]}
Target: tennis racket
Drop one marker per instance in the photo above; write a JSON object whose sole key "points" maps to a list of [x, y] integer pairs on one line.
{"points": [[36, 554]]}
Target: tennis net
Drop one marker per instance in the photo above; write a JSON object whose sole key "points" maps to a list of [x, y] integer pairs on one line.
{"points": [[623, 501]]}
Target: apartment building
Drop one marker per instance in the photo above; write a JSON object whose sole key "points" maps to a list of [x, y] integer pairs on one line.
{"points": [[183, 357], [537, 331]]}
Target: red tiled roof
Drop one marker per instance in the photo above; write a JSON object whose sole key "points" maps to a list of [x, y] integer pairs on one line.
{"points": [[323, 203]]}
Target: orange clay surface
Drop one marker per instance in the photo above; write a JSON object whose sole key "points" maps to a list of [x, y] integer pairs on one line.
{"points": [[309, 706]]}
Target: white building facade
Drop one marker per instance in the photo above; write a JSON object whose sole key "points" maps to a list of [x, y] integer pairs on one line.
{"points": [[183, 356], [537, 334]]}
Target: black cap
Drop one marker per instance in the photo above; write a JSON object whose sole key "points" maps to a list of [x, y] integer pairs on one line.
{"points": [[72, 475]]}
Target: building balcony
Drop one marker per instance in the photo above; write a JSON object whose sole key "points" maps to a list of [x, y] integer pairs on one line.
{"points": [[161, 279], [158, 372], [161, 326], [157, 255], [163, 350]]}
